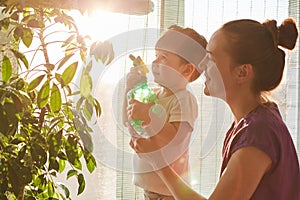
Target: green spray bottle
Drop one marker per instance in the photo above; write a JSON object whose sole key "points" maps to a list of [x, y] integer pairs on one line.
{"points": [[141, 92]]}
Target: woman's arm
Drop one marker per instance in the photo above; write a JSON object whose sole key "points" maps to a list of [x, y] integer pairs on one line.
{"points": [[244, 171], [238, 182], [178, 187], [168, 133]]}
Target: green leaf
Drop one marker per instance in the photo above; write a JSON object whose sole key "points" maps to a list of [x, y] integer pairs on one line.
{"points": [[38, 155], [50, 189], [20, 83], [64, 60], [18, 32], [55, 99], [33, 23], [28, 17], [81, 183], [66, 190], [43, 95], [86, 85], [21, 56], [71, 173], [103, 51], [15, 16], [70, 151], [17, 103], [27, 37], [79, 102], [77, 164], [97, 107], [22, 152], [69, 73], [68, 41], [62, 165], [85, 137], [83, 54], [90, 161], [6, 69], [33, 84], [89, 67], [62, 155], [88, 110], [59, 78], [53, 164]]}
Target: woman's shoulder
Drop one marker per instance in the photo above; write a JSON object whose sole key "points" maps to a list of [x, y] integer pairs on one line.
{"points": [[262, 125]]}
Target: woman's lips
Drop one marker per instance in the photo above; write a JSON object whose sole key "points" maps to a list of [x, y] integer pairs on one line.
{"points": [[206, 77]]}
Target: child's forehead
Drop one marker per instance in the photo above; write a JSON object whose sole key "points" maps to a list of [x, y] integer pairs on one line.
{"points": [[160, 51]]}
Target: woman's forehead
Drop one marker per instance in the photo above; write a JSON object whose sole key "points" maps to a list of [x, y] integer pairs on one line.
{"points": [[217, 43]]}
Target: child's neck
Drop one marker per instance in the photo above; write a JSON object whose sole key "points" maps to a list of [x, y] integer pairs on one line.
{"points": [[165, 92]]}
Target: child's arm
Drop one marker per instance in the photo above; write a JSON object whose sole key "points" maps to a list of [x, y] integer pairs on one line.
{"points": [[160, 131]]}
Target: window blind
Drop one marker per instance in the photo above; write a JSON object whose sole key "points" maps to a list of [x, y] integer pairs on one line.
{"points": [[113, 181], [294, 63], [206, 16]]}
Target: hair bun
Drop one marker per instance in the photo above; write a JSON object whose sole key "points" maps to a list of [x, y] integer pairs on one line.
{"points": [[288, 34], [271, 26]]}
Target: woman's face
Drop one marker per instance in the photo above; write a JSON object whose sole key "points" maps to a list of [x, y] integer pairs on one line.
{"points": [[167, 70], [218, 68]]}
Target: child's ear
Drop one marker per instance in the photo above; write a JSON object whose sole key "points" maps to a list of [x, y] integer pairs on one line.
{"points": [[188, 69], [243, 73]]}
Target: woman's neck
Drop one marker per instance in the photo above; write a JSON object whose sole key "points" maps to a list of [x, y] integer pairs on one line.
{"points": [[243, 106]]}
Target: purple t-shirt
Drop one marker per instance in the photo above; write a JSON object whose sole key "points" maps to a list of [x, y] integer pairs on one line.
{"points": [[264, 129]]}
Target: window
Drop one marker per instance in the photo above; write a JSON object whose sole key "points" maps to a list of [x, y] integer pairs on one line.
{"points": [[112, 178], [206, 16]]}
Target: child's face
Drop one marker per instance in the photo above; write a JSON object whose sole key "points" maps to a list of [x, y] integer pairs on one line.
{"points": [[168, 70]]}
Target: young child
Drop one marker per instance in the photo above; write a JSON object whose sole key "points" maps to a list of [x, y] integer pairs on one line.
{"points": [[170, 122]]}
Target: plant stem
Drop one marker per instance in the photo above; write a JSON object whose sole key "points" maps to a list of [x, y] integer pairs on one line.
{"points": [[41, 37], [21, 194]]}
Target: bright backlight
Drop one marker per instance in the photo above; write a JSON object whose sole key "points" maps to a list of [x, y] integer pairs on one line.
{"points": [[100, 25]]}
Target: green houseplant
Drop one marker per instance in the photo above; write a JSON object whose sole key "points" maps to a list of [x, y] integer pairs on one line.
{"points": [[42, 128]]}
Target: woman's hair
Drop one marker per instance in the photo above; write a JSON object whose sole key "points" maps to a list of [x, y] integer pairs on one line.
{"points": [[195, 36], [251, 42]]}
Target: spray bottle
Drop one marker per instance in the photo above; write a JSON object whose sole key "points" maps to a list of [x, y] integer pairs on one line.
{"points": [[141, 92]]}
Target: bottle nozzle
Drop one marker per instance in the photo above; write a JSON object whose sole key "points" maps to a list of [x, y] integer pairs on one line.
{"points": [[138, 62]]}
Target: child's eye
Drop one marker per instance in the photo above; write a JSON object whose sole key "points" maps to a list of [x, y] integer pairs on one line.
{"points": [[163, 59]]}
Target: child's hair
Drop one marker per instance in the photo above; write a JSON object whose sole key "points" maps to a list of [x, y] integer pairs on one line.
{"points": [[191, 33], [195, 54]]}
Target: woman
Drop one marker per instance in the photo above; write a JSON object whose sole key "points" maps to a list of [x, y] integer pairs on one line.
{"points": [[244, 62]]}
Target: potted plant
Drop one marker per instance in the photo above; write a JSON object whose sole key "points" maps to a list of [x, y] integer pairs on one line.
{"points": [[42, 128]]}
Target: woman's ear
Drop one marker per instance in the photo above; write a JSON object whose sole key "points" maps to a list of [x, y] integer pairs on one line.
{"points": [[243, 73]]}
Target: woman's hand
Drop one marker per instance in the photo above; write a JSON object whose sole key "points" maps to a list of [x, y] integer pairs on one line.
{"points": [[147, 150]]}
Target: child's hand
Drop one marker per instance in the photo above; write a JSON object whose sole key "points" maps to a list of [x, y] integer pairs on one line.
{"points": [[139, 110], [149, 151], [133, 78]]}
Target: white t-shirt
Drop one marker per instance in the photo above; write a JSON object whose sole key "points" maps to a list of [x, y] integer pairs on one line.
{"points": [[179, 107]]}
